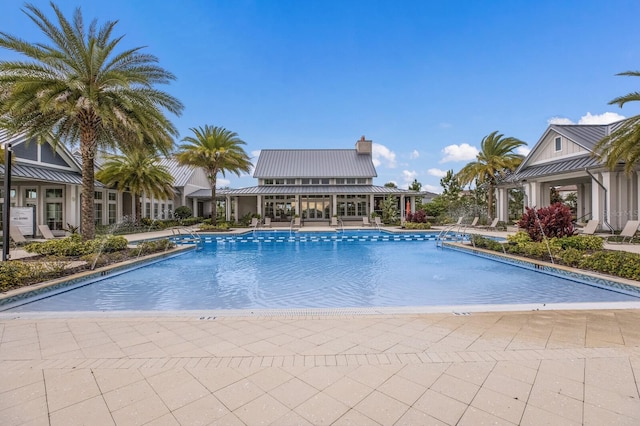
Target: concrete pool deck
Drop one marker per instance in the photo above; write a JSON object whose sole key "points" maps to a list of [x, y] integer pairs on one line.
{"points": [[560, 367], [528, 368]]}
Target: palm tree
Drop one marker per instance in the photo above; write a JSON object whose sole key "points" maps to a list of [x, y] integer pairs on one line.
{"points": [[216, 150], [80, 89], [624, 143], [496, 156], [139, 172]]}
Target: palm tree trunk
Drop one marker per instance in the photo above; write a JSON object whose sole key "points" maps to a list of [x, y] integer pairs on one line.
{"points": [[490, 202], [214, 203], [138, 202], [87, 209]]}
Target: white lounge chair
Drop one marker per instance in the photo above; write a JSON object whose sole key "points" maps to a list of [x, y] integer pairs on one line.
{"points": [[296, 222], [255, 223], [629, 230], [474, 222], [16, 235], [377, 221], [46, 232], [493, 226], [590, 228], [365, 221], [267, 222]]}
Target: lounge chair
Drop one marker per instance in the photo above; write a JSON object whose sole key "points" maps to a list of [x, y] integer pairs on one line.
{"points": [[629, 230], [377, 222], [16, 235], [365, 221], [493, 226], [474, 222], [590, 228], [296, 222], [46, 232], [255, 223], [267, 222]]}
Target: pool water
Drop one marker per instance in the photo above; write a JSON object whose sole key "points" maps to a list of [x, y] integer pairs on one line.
{"points": [[252, 273]]}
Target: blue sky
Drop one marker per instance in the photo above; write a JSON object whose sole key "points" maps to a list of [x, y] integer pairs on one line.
{"points": [[425, 80]]}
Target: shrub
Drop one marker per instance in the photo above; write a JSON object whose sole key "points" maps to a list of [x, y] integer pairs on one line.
{"points": [[183, 212], [147, 247], [110, 244], [417, 225], [483, 242], [72, 245], [620, 263], [571, 257], [222, 226], [581, 242], [554, 221]]}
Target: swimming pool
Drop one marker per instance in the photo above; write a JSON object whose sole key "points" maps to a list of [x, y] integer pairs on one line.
{"points": [[275, 270]]}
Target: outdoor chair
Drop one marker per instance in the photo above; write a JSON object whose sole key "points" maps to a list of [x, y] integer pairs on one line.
{"points": [[493, 226], [255, 223], [16, 235], [629, 230], [365, 221], [46, 232], [474, 222], [296, 222], [267, 222], [378, 222], [590, 228]]}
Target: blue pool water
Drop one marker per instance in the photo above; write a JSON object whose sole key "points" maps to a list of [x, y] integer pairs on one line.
{"points": [[281, 270]]}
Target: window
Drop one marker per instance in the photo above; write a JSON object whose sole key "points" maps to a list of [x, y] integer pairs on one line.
{"points": [[53, 208], [97, 195], [147, 210], [98, 212], [558, 144], [340, 181], [155, 210], [361, 181], [30, 194], [112, 213], [112, 209], [112, 196], [268, 181]]}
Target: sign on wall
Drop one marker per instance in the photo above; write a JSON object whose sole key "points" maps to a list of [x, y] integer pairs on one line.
{"points": [[24, 218]]}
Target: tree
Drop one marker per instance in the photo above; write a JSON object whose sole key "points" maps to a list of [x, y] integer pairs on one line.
{"points": [[415, 186], [138, 171], [216, 150], [451, 188], [390, 185], [390, 209], [624, 143], [79, 88], [495, 158]]}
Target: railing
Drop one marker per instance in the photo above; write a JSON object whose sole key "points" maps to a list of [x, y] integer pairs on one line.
{"points": [[192, 236]]}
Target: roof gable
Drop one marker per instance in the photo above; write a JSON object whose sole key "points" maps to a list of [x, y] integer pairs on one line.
{"points": [[313, 163], [47, 154]]}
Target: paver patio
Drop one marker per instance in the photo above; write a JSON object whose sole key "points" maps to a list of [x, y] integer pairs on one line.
{"points": [[529, 368]]}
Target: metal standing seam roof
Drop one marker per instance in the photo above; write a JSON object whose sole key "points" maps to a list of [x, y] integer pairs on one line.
{"points": [[181, 174], [46, 174], [303, 190], [313, 163], [556, 167]]}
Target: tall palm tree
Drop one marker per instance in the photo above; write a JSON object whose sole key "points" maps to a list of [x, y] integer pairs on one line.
{"points": [[216, 150], [79, 88], [139, 172], [496, 156], [624, 143]]}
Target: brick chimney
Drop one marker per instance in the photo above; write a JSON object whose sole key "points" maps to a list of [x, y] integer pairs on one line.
{"points": [[364, 146]]}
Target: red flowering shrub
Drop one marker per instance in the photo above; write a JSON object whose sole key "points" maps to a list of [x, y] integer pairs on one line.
{"points": [[554, 220]]}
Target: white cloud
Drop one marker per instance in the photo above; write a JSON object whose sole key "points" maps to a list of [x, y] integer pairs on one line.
{"points": [[523, 150], [437, 172], [559, 120], [415, 154], [222, 182], [588, 118], [431, 188], [408, 176], [256, 153], [604, 118], [464, 152], [383, 155]]}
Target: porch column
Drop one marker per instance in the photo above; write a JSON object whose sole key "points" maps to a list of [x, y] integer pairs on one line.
{"points": [[611, 200], [597, 200], [502, 204], [259, 205], [623, 212], [334, 204], [372, 203], [227, 208], [194, 206], [235, 214], [403, 206]]}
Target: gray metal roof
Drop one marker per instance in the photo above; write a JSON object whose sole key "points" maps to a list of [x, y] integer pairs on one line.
{"points": [[181, 174], [313, 163], [308, 190], [557, 167], [46, 174]]}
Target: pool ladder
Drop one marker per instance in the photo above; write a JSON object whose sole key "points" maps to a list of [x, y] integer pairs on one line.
{"points": [[444, 235], [186, 235]]}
